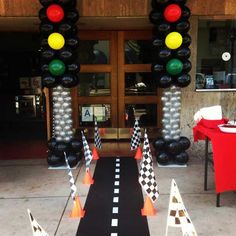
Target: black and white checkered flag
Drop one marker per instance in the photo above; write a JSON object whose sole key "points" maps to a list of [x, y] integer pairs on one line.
{"points": [[146, 174], [177, 213], [36, 228], [97, 137], [71, 179], [87, 152], [135, 139]]}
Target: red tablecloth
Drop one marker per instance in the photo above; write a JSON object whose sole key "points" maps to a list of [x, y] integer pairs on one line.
{"points": [[224, 156]]}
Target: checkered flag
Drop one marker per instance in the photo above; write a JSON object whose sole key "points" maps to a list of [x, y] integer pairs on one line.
{"points": [[146, 174], [87, 152], [71, 179], [36, 228], [97, 137], [177, 214], [135, 139]]}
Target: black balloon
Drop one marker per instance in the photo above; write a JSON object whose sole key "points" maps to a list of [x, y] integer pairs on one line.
{"points": [[42, 14], [173, 147], [163, 27], [159, 68], [183, 53], [76, 145], [67, 29], [69, 81], [186, 40], [73, 68], [161, 2], [184, 142], [44, 68], [55, 160], [72, 15], [164, 81], [185, 13], [181, 159], [155, 16], [46, 2], [72, 159], [49, 81], [52, 144], [46, 28], [187, 66], [72, 42], [164, 55], [183, 26], [66, 55], [180, 1], [183, 80], [163, 158], [157, 42], [67, 3], [159, 144], [60, 148], [48, 54]]}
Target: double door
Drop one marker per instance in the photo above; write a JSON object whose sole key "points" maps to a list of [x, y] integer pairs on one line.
{"points": [[115, 84]]}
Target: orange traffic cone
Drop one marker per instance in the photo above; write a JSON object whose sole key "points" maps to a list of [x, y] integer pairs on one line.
{"points": [[148, 208], [88, 178], [77, 210], [138, 154], [95, 153]]}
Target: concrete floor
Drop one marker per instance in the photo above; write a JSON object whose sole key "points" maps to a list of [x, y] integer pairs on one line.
{"points": [[29, 184]]}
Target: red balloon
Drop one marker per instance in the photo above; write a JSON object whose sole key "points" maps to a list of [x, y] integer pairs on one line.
{"points": [[55, 13], [172, 13]]}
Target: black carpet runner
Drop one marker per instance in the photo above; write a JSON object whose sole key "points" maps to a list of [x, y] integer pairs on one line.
{"points": [[114, 202]]}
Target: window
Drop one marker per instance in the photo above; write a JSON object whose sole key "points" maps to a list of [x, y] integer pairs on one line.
{"points": [[216, 66]]}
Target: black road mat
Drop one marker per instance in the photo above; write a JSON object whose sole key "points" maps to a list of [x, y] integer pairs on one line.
{"points": [[103, 201]]}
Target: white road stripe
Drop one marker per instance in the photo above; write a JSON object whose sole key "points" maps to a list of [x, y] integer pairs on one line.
{"points": [[117, 183], [115, 210], [117, 170], [115, 199], [117, 159], [114, 234], [116, 190], [117, 164], [117, 176], [114, 222]]}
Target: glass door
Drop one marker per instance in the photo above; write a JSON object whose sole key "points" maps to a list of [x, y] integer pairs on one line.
{"points": [[115, 83]]}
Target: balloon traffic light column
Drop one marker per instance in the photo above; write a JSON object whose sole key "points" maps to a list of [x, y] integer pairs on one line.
{"points": [[170, 67], [59, 69]]}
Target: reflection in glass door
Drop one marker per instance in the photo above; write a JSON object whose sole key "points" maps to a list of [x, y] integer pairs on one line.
{"points": [[115, 83]]}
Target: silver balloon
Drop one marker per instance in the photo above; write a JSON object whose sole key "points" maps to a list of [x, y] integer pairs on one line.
{"points": [[176, 115], [68, 110]]}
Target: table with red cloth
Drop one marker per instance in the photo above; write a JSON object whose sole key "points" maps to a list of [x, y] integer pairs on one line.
{"points": [[224, 155]]}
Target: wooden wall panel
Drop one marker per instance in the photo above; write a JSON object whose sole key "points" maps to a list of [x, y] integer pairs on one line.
{"points": [[92, 7], [139, 7], [230, 7], [19, 7]]}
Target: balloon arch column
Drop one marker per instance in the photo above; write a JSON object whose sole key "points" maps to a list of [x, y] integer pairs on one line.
{"points": [[59, 68], [170, 67]]}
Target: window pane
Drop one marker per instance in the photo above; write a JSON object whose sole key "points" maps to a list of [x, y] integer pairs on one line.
{"points": [[101, 111], [94, 84], [145, 113], [216, 67], [138, 52], [140, 83], [94, 52]]}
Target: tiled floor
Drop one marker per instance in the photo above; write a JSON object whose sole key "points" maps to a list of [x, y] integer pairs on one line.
{"points": [[29, 184]]}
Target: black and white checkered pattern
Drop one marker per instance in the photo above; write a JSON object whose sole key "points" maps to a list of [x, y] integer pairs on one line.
{"points": [[71, 179], [177, 213], [97, 137], [36, 228], [87, 152], [135, 139], [146, 175]]}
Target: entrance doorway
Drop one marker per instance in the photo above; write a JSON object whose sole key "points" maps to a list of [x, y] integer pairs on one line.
{"points": [[115, 84]]}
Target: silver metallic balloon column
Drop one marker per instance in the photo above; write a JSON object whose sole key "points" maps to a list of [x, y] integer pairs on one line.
{"points": [[62, 114], [171, 113]]}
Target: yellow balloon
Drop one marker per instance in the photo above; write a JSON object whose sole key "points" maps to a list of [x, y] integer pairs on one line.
{"points": [[173, 40], [56, 41]]}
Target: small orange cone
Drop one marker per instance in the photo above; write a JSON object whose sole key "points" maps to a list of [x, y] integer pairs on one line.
{"points": [[148, 208], [77, 211], [138, 154], [95, 153], [88, 178]]}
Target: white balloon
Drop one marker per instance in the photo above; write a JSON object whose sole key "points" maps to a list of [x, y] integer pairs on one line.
{"points": [[176, 137], [69, 121], [61, 111], [67, 138], [166, 115], [68, 110], [165, 121], [167, 137], [167, 126], [164, 99], [175, 126], [176, 115], [172, 110], [168, 104], [165, 109], [58, 138], [62, 133]]}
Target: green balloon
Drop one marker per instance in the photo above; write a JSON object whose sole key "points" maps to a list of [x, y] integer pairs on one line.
{"points": [[56, 67], [174, 67]]}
